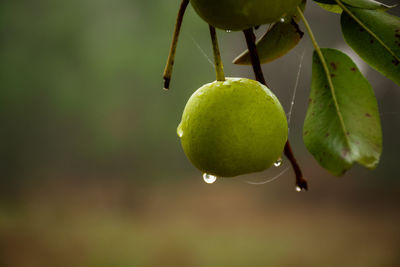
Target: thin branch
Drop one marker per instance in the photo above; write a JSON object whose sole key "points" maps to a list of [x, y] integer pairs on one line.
{"points": [[255, 60], [171, 56], [219, 68], [301, 183]]}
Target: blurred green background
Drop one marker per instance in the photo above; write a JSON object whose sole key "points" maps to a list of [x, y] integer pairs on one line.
{"points": [[92, 172]]}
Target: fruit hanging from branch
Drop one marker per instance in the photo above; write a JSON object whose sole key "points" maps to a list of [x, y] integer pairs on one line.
{"points": [[237, 15], [235, 126]]}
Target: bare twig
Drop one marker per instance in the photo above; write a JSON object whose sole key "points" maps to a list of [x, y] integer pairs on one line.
{"points": [[301, 183], [255, 60], [171, 56]]}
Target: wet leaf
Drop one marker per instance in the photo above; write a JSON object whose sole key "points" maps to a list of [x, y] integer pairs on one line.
{"points": [[278, 41], [342, 124], [365, 4], [331, 8], [375, 38]]}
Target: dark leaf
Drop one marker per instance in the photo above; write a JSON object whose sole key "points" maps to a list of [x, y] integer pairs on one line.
{"points": [[365, 4], [376, 39]]}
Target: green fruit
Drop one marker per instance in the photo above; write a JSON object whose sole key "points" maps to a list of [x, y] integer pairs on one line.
{"points": [[242, 14], [233, 127]]}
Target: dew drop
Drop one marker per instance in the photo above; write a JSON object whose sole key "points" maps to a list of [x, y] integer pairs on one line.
{"points": [[299, 189], [228, 31], [282, 20], [278, 162], [208, 178], [179, 131]]}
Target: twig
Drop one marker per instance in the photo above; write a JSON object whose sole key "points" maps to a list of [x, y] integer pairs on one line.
{"points": [[171, 56], [255, 60], [219, 68], [301, 183]]}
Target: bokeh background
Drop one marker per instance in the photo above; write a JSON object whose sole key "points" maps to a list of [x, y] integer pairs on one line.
{"points": [[92, 172]]}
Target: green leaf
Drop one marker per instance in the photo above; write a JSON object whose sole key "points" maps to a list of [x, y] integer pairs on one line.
{"points": [[365, 4], [375, 37], [331, 8], [278, 41], [342, 124]]}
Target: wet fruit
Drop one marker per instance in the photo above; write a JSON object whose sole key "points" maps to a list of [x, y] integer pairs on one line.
{"points": [[242, 14], [233, 127]]}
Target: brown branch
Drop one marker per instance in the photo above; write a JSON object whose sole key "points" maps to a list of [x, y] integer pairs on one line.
{"points": [[255, 60], [301, 183], [171, 56]]}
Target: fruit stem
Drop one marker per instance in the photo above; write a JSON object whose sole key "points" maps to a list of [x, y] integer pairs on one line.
{"points": [[301, 183], [219, 67], [315, 43], [171, 56]]}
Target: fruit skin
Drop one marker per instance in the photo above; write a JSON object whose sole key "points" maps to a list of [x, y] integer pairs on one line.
{"points": [[238, 15], [233, 127]]}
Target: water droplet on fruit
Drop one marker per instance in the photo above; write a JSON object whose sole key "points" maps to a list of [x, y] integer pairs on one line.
{"points": [[278, 162], [179, 131], [228, 31], [208, 178], [282, 20]]}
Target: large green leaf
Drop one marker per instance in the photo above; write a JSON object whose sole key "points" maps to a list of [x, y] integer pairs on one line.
{"points": [[365, 4], [342, 124], [279, 40], [375, 36]]}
